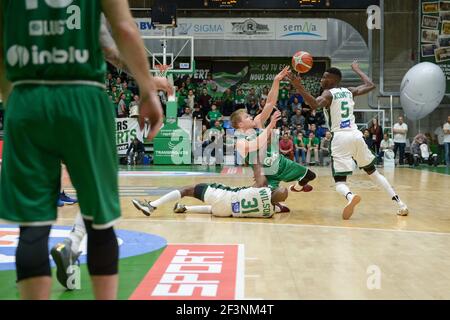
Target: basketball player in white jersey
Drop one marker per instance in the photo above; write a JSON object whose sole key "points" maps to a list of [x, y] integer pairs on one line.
{"points": [[222, 201], [347, 144]]}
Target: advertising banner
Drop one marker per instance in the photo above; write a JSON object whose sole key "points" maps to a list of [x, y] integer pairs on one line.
{"points": [[434, 35], [126, 130]]}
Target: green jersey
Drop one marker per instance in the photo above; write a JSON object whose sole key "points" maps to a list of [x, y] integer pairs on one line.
{"points": [[214, 115], [283, 94], [52, 40], [128, 96], [315, 141]]}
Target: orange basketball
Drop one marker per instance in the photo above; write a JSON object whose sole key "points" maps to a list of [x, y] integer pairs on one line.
{"points": [[302, 62]]}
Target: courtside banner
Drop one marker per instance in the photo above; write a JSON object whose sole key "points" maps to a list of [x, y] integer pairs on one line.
{"points": [[195, 272], [126, 130]]}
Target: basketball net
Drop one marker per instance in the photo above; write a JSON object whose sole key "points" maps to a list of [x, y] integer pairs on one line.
{"points": [[162, 70]]}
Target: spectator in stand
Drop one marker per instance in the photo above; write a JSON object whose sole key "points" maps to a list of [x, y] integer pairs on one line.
{"points": [[135, 152], [122, 110], [128, 94], [312, 146], [298, 119], [311, 117], [187, 113], [115, 95], [311, 128], [377, 134], [287, 147], [296, 130], [446, 128], [296, 105], [300, 148], [285, 123], [216, 96], [252, 96], [252, 108], [385, 144], [400, 132], [190, 85], [265, 93], [325, 147], [205, 100], [190, 99], [217, 136], [320, 119], [198, 113], [118, 84], [283, 97], [109, 81], [134, 107], [213, 115], [227, 102], [368, 139], [239, 99]]}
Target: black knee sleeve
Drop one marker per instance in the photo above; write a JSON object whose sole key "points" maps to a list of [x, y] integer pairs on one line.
{"points": [[103, 251], [310, 176], [340, 179], [32, 253], [199, 191], [370, 169]]}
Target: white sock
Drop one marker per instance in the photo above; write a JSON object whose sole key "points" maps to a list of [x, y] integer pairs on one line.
{"points": [[77, 233], [342, 188], [199, 209], [170, 197], [382, 182]]}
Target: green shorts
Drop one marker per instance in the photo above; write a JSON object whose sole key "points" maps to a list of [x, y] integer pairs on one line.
{"points": [[288, 171], [48, 125]]}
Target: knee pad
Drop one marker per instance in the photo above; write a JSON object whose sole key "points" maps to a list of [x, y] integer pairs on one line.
{"points": [[32, 253], [370, 169], [103, 251], [340, 179]]}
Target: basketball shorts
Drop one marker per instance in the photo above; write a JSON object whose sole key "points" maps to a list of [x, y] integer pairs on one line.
{"points": [[48, 125], [224, 202], [288, 171], [346, 148]]}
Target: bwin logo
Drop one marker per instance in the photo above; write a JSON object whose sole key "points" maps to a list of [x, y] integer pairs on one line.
{"points": [[18, 55]]}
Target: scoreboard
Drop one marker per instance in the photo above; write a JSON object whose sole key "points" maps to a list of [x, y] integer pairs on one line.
{"points": [[277, 4]]}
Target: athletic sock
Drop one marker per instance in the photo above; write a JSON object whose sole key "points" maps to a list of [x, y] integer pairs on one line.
{"points": [[77, 233], [382, 182], [343, 189], [170, 197], [198, 209]]}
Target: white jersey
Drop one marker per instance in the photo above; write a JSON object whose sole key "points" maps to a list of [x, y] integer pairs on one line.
{"points": [[340, 115], [244, 202]]}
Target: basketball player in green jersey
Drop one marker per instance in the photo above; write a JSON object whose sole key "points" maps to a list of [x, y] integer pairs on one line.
{"points": [[221, 200], [252, 145], [347, 143], [58, 111]]}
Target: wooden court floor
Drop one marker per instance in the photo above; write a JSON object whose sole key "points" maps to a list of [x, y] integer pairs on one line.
{"points": [[311, 253]]}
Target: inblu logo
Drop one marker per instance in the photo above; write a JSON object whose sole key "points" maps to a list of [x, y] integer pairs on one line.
{"points": [[305, 29], [19, 55]]}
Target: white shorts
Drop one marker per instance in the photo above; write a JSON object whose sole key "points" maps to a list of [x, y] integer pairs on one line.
{"points": [[220, 202], [347, 147]]}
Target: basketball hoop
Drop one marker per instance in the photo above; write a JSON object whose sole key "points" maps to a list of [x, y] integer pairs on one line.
{"points": [[162, 70]]}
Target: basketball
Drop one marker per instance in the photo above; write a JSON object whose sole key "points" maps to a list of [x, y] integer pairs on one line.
{"points": [[302, 62]]}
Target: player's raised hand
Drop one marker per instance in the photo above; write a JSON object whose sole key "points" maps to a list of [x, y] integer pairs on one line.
{"points": [[296, 80], [283, 74], [355, 66], [274, 119], [163, 84], [150, 107]]}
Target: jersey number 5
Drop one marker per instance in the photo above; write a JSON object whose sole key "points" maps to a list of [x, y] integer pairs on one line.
{"points": [[345, 110], [249, 206]]}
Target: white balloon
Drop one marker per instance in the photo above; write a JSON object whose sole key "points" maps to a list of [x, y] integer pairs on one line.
{"points": [[422, 90]]}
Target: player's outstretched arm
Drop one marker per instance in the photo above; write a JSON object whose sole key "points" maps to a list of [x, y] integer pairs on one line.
{"points": [[5, 85], [244, 146], [272, 98], [131, 48], [323, 101], [364, 88]]}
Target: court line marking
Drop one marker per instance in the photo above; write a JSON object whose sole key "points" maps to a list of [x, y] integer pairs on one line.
{"points": [[280, 225], [240, 273], [419, 170]]}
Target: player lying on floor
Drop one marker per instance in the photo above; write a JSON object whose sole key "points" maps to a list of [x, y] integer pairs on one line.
{"points": [[222, 201]]}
